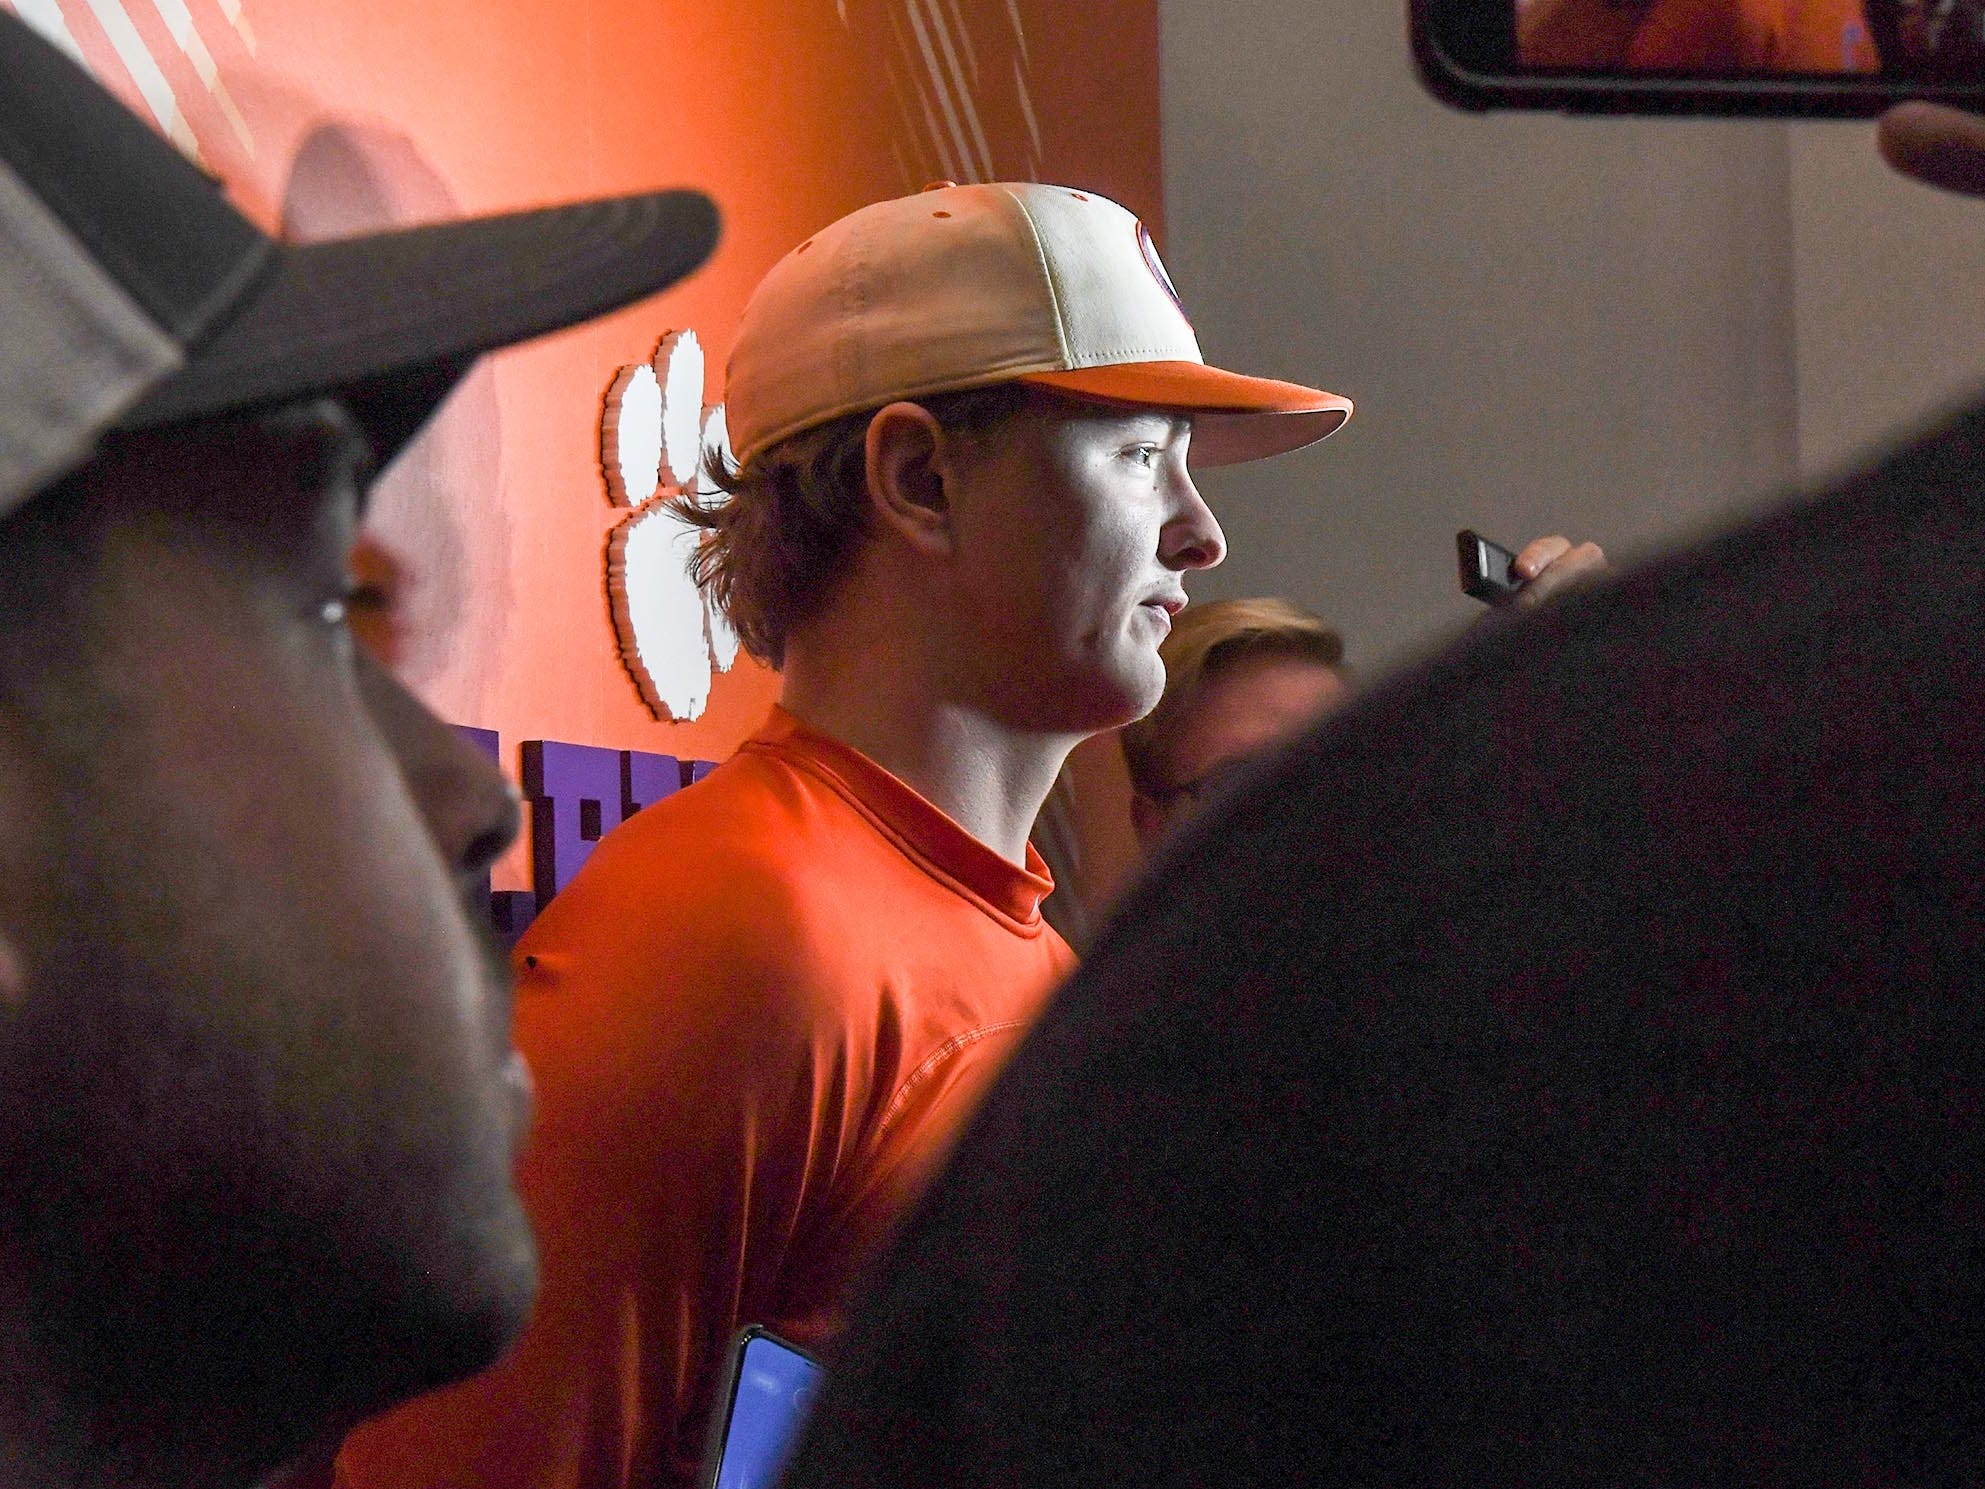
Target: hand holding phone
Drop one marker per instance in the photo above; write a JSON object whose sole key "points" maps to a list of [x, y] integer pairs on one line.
{"points": [[1535, 574], [1486, 568]]}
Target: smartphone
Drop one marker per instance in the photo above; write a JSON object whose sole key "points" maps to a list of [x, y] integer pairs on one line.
{"points": [[767, 1390], [1781, 58], [1485, 568]]}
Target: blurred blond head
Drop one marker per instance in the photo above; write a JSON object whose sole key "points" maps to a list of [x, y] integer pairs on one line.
{"points": [[1240, 677]]}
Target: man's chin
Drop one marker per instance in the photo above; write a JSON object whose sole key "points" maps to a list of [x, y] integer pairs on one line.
{"points": [[1141, 692], [498, 1304], [461, 1331], [1091, 697]]}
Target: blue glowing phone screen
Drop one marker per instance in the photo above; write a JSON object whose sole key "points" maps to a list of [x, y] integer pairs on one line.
{"points": [[775, 1390]]}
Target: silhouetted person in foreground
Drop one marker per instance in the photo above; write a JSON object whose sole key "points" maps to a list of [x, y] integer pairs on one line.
{"points": [[1566, 1065]]}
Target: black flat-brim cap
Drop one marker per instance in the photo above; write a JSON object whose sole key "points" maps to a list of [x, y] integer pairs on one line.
{"points": [[134, 295]]}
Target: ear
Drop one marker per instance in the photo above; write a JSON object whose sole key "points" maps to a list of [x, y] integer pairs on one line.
{"points": [[908, 463]]}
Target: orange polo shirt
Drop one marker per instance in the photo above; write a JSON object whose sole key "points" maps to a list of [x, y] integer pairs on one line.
{"points": [[757, 1019]]}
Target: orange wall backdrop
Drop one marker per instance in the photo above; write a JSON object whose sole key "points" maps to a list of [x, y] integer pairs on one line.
{"points": [[324, 119]]}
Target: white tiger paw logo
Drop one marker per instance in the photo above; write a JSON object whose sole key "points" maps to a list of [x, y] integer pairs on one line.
{"points": [[652, 442]]}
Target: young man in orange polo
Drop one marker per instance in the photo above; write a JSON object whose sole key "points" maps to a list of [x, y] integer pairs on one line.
{"points": [[960, 523]]}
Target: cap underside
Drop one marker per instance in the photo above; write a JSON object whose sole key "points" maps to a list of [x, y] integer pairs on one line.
{"points": [[359, 310], [1234, 418]]}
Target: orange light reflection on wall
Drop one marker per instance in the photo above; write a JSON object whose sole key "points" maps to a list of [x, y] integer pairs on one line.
{"points": [[337, 119]]}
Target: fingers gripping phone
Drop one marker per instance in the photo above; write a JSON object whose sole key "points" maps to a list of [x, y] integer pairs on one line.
{"points": [[763, 1400], [1486, 568]]}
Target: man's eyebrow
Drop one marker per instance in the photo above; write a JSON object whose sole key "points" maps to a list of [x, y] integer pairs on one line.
{"points": [[1178, 426], [357, 464], [347, 455], [355, 456], [1176, 422], [335, 460], [340, 449]]}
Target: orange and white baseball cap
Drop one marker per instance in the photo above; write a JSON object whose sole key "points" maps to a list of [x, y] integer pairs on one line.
{"points": [[965, 286]]}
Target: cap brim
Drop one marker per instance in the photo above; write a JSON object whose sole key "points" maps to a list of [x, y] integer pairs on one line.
{"points": [[1234, 418], [421, 303]]}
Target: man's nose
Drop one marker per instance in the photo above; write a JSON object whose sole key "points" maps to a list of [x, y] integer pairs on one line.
{"points": [[471, 811], [1192, 539]]}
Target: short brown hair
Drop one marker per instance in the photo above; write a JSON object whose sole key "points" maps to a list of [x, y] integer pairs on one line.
{"points": [[1206, 641], [793, 517]]}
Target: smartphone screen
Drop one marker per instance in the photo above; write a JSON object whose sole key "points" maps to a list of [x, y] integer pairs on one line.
{"points": [[1785, 57], [1731, 38], [773, 1386], [1485, 568]]}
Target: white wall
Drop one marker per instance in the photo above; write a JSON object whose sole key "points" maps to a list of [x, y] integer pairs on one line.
{"points": [[1890, 291], [1625, 329]]}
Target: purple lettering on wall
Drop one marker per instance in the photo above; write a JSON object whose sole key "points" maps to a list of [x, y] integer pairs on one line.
{"points": [[510, 911], [645, 779], [574, 791], [577, 794], [483, 739]]}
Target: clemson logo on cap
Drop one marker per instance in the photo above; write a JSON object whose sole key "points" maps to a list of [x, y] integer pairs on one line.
{"points": [[1157, 267]]}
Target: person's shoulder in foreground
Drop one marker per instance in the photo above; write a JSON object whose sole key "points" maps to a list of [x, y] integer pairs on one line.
{"points": [[257, 1097], [1497, 1092]]}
